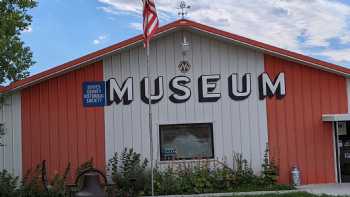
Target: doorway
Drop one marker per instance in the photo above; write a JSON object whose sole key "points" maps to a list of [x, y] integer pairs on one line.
{"points": [[342, 131]]}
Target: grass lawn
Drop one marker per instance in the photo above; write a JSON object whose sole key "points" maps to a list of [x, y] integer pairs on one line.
{"points": [[294, 194]]}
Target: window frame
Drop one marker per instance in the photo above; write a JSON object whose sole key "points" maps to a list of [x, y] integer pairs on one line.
{"points": [[211, 129]]}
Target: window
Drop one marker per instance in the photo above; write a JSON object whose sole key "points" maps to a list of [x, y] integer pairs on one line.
{"points": [[186, 141]]}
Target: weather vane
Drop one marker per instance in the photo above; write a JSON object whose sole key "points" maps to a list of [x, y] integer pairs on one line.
{"points": [[183, 6]]}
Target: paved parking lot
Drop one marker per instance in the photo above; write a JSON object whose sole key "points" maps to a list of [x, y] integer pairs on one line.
{"points": [[330, 189]]}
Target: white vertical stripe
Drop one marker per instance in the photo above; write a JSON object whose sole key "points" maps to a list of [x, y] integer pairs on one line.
{"points": [[11, 152], [239, 126]]}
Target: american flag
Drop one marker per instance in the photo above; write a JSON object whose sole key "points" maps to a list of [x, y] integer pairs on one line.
{"points": [[150, 20]]}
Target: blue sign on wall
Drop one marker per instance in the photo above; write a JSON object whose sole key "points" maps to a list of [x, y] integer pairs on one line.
{"points": [[94, 94]]}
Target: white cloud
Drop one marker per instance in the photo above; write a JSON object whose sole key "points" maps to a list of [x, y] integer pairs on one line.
{"points": [[337, 55], [137, 26], [96, 41], [28, 30], [292, 24], [121, 6], [99, 39]]}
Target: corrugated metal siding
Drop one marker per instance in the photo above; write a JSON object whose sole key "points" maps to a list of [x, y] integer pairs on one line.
{"points": [[297, 135], [11, 152], [239, 126], [57, 128]]}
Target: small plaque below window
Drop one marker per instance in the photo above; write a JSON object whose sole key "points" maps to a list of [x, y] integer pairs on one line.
{"points": [[186, 141]]}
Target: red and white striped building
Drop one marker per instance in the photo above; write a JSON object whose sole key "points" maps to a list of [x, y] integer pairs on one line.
{"points": [[237, 95]]}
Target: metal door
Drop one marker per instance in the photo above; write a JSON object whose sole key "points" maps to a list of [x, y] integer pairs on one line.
{"points": [[344, 158]]}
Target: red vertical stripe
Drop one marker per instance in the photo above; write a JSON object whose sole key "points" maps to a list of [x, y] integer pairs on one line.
{"points": [[35, 125], [283, 141], [317, 131], [81, 119], [53, 124], [301, 158], [90, 121], [62, 123], [297, 135], [100, 127], [290, 119], [307, 123], [323, 132], [57, 128], [44, 118], [72, 122]]}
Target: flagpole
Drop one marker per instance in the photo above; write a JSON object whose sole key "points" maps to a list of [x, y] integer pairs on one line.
{"points": [[150, 117], [149, 14]]}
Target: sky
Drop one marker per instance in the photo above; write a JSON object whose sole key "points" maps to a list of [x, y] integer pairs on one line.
{"points": [[63, 30]]}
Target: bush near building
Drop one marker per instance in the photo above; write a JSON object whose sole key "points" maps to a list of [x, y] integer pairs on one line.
{"points": [[131, 176], [128, 170]]}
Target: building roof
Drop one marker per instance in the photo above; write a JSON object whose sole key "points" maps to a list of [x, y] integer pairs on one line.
{"points": [[183, 23]]}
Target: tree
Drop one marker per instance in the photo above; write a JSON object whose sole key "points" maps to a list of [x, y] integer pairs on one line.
{"points": [[15, 57]]}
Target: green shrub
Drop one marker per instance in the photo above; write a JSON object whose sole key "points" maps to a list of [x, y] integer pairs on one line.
{"points": [[202, 177], [186, 179], [223, 179], [8, 184], [269, 169], [242, 171], [58, 183], [33, 185], [165, 182], [128, 172]]}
